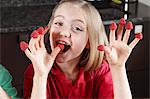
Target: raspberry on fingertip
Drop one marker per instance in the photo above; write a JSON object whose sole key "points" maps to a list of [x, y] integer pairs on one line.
{"points": [[40, 30], [34, 34], [139, 35], [100, 47], [113, 26], [129, 25], [23, 45]]}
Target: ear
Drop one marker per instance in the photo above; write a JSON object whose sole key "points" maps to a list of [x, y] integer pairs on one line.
{"points": [[88, 44]]}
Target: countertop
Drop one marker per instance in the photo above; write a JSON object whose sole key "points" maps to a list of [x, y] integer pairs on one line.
{"points": [[27, 18]]}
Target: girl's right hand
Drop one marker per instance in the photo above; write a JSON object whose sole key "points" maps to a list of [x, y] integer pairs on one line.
{"points": [[42, 61]]}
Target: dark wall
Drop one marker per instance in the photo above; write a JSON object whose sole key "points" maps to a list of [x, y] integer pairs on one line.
{"points": [[18, 3], [13, 59]]}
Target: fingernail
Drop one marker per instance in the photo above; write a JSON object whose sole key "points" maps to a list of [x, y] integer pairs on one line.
{"points": [[40, 30], [122, 21], [61, 46], [139, 35], [34, 34], [23, 45], [100, 47], [113, 26], [46, 27], [129, 25]]}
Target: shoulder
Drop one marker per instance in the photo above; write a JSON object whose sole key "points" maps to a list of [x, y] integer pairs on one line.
{"points": [[102, 69]]}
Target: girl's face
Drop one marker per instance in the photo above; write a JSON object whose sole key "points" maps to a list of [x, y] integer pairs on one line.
{"points": [[69, 27]]}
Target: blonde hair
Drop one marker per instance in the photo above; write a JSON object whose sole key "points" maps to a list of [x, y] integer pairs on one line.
{"points": [[91, 58]]}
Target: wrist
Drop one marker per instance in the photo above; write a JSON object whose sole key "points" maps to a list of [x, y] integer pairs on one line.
{"points": [[40, 78], [119, 67]]}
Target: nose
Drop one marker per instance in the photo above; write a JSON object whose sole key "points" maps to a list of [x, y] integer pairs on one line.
{"points": [[65, 33]]}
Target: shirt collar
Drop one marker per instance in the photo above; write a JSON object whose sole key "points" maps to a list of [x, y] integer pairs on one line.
{"points": [[82, 78]]}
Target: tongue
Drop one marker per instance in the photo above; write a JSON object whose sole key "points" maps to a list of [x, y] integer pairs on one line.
{"points": [[61, 46]]}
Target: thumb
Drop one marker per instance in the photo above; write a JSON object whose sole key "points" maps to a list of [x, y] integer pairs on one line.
{"points": [[55, 51]]}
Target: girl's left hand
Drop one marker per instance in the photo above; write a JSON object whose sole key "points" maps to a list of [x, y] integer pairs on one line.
{"points": [[118, 50]]}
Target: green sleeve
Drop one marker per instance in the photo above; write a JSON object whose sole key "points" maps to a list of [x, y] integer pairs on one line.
{"points": [[5, 82]]}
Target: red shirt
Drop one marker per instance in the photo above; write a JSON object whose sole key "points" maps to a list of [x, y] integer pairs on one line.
{"points": [[93, 84]]}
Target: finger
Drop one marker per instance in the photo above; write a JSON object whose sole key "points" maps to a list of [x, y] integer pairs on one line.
{"points": [[133, 43], [106, 49], [129, 27], [32, 45], [42, 41], [23, 45], [138, 37], [112, 28], [28, 54], [40, 30], [37, 42], [55, 51], [34, 36], [126, 36], [121, 23]]}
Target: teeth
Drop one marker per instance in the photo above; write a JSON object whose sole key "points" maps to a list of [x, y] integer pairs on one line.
{"points": [[61, 42]]}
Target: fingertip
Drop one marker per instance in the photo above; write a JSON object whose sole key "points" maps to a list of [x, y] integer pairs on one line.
{"points": [[139, 36], [129, 26], [113, 26], [122, 21], [61, 46], [40, 30], [34, 34], [100, 47], [23, 45]]}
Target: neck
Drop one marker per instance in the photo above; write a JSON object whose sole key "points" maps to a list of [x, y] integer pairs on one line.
{"points": [[69, 68]]}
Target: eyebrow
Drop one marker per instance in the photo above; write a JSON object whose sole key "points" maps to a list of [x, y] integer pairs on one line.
{"points": [[59, 16], [73, 20], [79, 21]]}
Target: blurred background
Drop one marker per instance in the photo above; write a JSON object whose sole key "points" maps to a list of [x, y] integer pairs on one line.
{"points": [[18, 18]]}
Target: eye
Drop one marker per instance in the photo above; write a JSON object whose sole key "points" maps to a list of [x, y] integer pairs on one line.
{"points": [[58, 23], [77, 29]]}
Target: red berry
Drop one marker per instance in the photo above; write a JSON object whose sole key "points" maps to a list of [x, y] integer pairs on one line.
{"points": [[61, 46], [23, 45], [129, 26], [139, 35], [40, 30], [100, 47], [113, 26], [34, 34], [122, 21]]}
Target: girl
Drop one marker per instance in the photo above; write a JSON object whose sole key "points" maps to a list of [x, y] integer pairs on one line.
{"points": [[75, 68]]}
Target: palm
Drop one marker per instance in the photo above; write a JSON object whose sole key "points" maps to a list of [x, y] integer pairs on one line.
{"points": [[119, 53], [41, 62]]}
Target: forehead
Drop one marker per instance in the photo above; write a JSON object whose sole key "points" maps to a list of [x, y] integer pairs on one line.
{"points": [[70, 12]]}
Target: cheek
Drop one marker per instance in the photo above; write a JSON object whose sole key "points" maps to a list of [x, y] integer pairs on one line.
{"points": [[80, 42]]}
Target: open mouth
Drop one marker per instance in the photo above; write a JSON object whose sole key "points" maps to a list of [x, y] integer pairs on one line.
{"points": [[64, 46]]}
